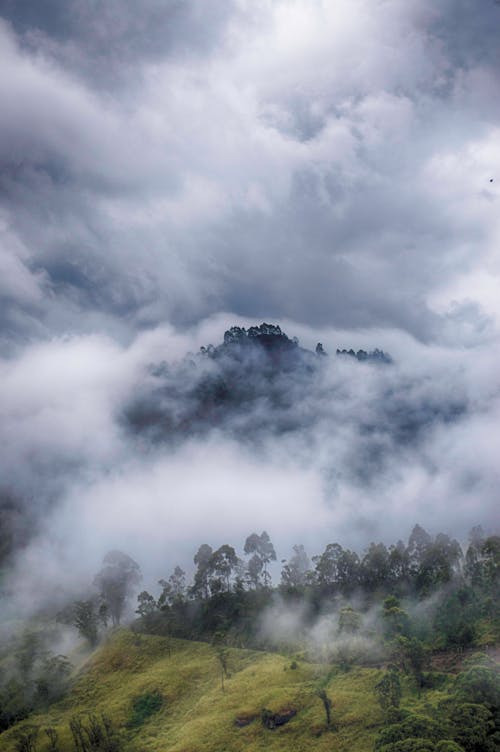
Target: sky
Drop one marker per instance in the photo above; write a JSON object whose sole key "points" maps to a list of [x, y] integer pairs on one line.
{"points": [[333, 167]]}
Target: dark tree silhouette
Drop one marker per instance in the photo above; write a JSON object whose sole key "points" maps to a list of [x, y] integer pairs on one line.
{"points": [[263, 551]]}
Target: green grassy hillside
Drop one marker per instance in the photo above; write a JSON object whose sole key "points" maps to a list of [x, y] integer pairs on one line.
{"points": [[196, 715]]}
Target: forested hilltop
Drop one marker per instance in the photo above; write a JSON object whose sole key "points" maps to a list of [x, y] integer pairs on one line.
{"points": [[250, 383]]}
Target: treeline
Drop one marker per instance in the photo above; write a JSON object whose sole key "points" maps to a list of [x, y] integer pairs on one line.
{"points": [[228, 593], [397, 603]]}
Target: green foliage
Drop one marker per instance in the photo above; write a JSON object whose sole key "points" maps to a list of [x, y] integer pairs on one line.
{"points": [[412, 656], [25, 740], [447, 745], [456, 617], [33, 678], [388, 690], [263, 553], [86, 620], [15, 702], [53, 739], [410, 745], [94, 734], [480, 683], [472, 724], [51, 679], [295, 573], [327, 705], [144, 706], [412, 727], [128, 668], [349, 620], [396, 620], [336, 570]]}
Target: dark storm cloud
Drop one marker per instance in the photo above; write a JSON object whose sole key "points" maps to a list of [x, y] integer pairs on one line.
{"points": [[103, 40], [328, 163]]}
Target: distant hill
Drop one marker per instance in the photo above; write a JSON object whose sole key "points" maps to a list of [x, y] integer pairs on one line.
{"points": [[254, 380]]}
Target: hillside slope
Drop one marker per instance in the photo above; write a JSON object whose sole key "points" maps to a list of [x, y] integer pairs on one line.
{"points": [[196, 715]]}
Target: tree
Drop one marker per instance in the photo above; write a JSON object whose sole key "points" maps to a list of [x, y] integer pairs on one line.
{"points": [[327, 705], [413, 657], [326, 567], [439, 562], [423, 731], [86, 620], [336, 569], [202, 560], [146, 605], [52, 679], [349, 620], [399, 565], [221, 651], [94, 735], [418, 543], [117, 581], [221, 564], [25, 740], [473, 556], [490, 563], [263, 549], [53, 739], [173, 589], [178, 584], [295, 571], [479, 683], [472, 724], [396, 621], [375, 567], [254, 570], [388, 689]]}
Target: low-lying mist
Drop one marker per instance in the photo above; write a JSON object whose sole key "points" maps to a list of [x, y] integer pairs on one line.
{"points": [[154, 446]]}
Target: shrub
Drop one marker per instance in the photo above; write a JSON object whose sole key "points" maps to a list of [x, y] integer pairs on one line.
{"points": [[410, 745], [412, 727], [447, 745], [472, 723], [479, 684], [94, 735], [25, 739], [144, 706], [388, 690]]}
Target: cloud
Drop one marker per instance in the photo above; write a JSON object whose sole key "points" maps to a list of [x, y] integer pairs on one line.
{"points": [[327, 163], [333, 167], [368, 451]]}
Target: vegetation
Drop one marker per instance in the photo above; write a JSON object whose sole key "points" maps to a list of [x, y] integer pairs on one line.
{"points": [[381, 643], [138, 693]]}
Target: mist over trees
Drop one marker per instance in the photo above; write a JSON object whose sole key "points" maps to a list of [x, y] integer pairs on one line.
{"points": [[397, 608], [458, 593], [227, 385]]}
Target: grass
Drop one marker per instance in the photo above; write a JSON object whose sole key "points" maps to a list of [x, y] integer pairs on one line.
{"points": [[195, 715]]}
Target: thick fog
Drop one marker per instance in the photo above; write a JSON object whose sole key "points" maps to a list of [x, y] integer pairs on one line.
{"points": [[333, 167]]}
